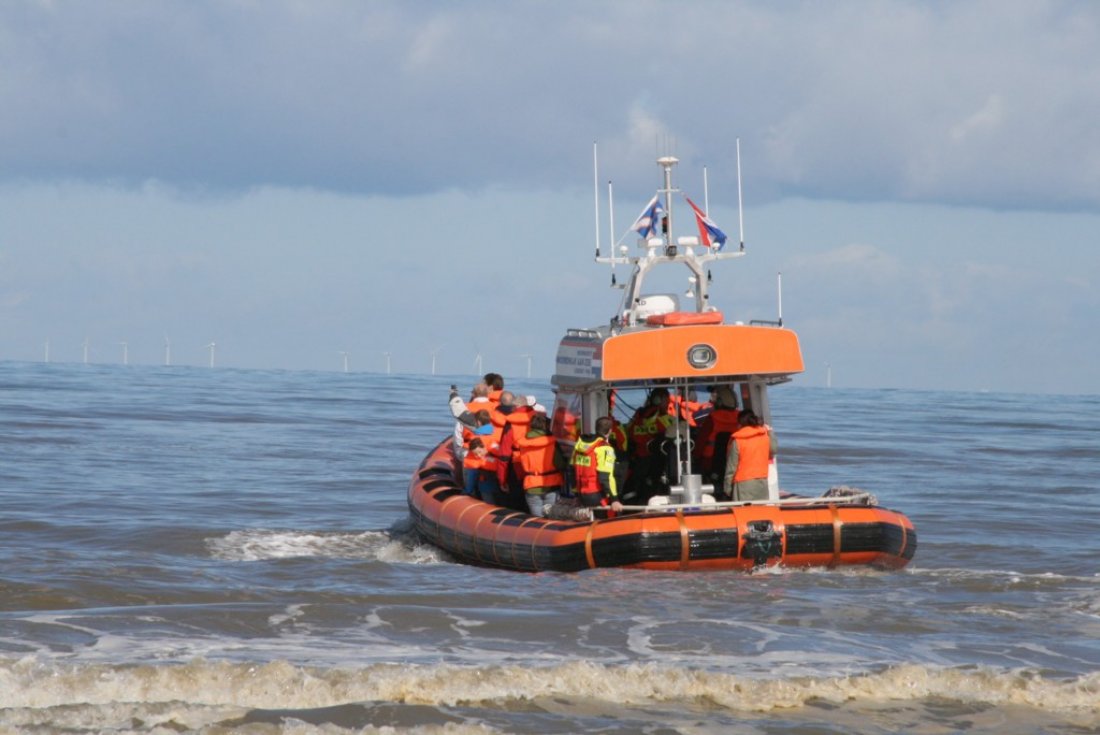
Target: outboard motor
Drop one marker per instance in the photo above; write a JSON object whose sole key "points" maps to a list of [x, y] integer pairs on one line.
{"points": [[762, 542]]}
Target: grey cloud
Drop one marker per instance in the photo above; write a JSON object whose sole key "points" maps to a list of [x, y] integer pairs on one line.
{"points": [[983, 103]]}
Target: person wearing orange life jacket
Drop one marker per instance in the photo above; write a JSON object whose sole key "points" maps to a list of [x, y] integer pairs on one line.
{"points": [[479, 466], [687, 406], [543, 466], [714, 435], [517, 423], [593, 464], [495, 381], [508, 480], [750, 449], [479, 400], [647, 430]]}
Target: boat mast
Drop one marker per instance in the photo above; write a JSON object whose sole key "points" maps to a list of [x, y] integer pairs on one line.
{"points": [[667, 162], [663, 247]]}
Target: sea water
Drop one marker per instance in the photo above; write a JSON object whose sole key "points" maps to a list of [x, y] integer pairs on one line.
{"points": [[187, 549]]}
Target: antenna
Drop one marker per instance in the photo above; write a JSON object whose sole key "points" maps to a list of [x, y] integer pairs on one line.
{"points": [[740, 211], [125, 353], [596, 195], [345, 356], [779, 289], [706, 193], [611, 228], [211, 348], [527, 356], [387, 356]]}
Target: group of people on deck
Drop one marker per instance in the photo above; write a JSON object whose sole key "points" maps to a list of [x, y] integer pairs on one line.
{"points": [[731, 448], [512, 458]]}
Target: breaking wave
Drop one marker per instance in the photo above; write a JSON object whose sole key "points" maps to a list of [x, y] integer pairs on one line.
{"points": [[396, 545], [33, 683]]}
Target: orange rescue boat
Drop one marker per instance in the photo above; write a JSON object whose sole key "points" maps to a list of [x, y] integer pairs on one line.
{"points": [[652, 343]]}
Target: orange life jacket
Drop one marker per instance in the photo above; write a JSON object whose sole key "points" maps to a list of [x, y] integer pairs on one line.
{"points": [[519, 420], [500, 423], [720, 421], [753, 453], [585, 465], [536, 457], [687, 408], [471, 461]]}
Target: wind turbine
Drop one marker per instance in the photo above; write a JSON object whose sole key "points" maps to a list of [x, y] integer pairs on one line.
{"points": [[434, 353], [85, 350], [477, 362], [125, 353], [527, 356], [167, 350], [345, 356], [211, 348], [387, 356], [47, 351], [828, 375]]}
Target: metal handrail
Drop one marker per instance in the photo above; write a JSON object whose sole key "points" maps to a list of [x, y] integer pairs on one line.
{"points": [[859, 499]]}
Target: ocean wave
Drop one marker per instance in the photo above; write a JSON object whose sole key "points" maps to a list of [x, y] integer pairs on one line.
{"points": [[34, 684], [392, 546]]}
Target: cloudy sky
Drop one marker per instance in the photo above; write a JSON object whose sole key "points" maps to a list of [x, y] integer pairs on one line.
{"points": [[291, 180]]}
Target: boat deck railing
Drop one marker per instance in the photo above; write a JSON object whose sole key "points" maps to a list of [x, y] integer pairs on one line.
{"points": [[799, 501]]}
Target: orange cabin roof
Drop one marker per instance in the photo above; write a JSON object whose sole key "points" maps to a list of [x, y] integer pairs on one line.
{"points": [[693, 351]]}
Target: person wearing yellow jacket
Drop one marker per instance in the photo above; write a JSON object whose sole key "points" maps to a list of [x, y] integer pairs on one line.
{"points": [[750, 449], [593, 465]]}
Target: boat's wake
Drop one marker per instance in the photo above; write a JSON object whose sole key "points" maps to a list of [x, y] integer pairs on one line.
{"points": [[399, 545]]}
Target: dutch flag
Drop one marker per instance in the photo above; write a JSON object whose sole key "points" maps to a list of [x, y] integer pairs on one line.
{"points": [[709, 234]]}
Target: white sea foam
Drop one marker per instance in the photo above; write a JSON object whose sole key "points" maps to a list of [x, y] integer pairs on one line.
{"points": [[34, 684], [263, 544]]}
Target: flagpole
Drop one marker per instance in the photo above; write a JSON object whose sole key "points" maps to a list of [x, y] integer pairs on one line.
{"points": [[740, 211]]}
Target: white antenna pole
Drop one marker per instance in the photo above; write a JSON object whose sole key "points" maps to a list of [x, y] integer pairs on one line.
{"points": [[611, 225], [706, 193], [596, 196], [779, 287], [740, 210]]}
